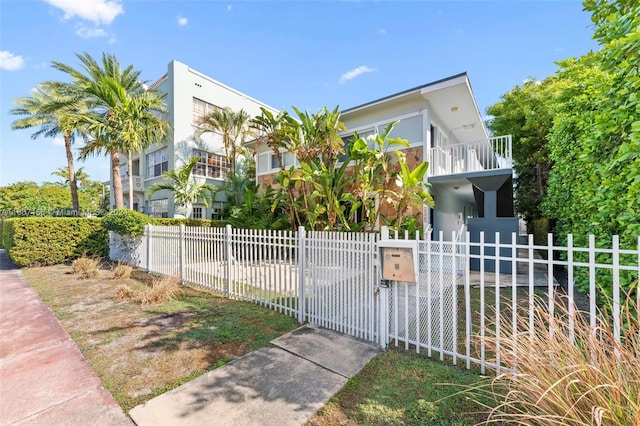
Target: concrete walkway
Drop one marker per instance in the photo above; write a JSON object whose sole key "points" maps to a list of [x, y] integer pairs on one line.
{"points": [[44, 379], [280, 386]]}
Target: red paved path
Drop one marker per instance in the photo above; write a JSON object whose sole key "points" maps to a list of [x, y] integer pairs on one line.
{"points": [[44, 379]]}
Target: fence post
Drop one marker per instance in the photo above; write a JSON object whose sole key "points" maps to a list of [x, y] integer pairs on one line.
{"points": [[147, 232], [182, 254], [301, 305], [228, 257], [383, 295], [384, 233]]}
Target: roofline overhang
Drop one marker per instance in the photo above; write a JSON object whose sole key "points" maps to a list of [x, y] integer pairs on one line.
{"points": [[423, 89]]}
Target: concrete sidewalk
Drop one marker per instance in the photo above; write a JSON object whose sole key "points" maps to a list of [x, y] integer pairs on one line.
{"points": [[44, 379], [280, 385]]}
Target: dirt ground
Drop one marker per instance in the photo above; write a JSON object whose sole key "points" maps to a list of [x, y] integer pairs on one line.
{"points": [[140, 352]]}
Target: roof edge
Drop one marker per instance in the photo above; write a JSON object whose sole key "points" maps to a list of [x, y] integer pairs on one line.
{"points": [[404, 92]]}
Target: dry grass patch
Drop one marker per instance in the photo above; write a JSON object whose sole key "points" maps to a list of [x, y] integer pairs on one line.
{"points": [[162, 289], [121, 271], [86, 267]]}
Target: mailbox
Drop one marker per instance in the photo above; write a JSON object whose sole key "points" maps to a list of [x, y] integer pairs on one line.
{"points": [[399, 260]]}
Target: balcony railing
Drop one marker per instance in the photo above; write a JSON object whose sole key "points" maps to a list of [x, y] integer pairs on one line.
{"points": [[488, 154]]}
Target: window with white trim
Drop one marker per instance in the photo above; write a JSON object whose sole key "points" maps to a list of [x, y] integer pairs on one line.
{"points": [[157, 163], [159, 208], [202, 108], [211, 165]]}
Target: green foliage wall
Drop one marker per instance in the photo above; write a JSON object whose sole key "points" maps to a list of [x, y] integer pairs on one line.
{"points": [[126, 222], [594, 186], [44, 241]]}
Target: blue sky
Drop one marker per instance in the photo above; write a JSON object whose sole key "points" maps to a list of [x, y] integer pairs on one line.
{"points": [[302, 53]]}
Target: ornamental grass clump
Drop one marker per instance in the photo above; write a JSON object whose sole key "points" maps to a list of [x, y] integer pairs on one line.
{"points": [[584, 376], [86, 267], [163, 289], [121, 271]]}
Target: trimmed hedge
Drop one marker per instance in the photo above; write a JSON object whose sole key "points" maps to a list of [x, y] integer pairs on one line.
{"points": [[42, 241], [126, 222]]}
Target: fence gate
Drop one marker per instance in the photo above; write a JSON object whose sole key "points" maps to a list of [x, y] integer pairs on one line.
{"points": [[423, 314], [340, 281]]}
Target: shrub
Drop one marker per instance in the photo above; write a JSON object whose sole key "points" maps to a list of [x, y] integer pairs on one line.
{"points": [[584, 377], [121, 271], [126, 222], [46, 241], [540, 228], [86, 267]]}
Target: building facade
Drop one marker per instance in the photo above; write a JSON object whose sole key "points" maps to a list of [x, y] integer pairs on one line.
{"points": [[188, 95], [470, 172]]}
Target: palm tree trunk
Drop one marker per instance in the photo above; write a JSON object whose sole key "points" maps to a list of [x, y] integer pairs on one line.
{"points": [[130, 173], [117, 181], [72, 175]]}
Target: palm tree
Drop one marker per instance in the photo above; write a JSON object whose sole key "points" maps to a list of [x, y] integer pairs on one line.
{"points": [[232, 126], [125, 118], [135, 123], [185, 188], [56, 112], [80, 176]]}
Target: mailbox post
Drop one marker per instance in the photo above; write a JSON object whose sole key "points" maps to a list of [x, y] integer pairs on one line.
{"points": [[398, 262]]}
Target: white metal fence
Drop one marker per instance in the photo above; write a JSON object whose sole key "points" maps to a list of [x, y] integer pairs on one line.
{"points": [[333, 280]]}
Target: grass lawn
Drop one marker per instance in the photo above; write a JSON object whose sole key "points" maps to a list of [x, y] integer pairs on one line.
{"points": [[403, 388], [141, 352]]}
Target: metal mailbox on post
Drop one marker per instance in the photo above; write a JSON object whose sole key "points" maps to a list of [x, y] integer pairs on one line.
{"points": [[399, 260]]}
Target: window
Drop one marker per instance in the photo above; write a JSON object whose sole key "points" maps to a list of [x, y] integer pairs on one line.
{"points": [[287, 160], [201, 108], [211, 165], [197, 213], [408, 128], [159, 208], [157, 163]]}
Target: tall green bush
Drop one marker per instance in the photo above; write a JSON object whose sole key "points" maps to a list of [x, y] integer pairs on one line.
{"points": [[126, 222], [36, 241]]}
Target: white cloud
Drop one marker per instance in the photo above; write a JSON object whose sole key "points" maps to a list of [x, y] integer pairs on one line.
{"points": [[182, 21], [10, 61], [350, 75], [229, 8], [382, 31], [86, 32], [58, 141], [98, 11]]}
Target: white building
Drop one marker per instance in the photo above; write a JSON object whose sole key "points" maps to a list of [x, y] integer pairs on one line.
{"points": [[189, 95]]}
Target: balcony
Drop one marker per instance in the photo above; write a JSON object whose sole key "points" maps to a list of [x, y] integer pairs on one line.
{"points": [[488, 154], [138, 184]]}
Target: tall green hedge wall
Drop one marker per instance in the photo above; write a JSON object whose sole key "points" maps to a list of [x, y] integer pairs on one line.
{"points": [[41, 241]]}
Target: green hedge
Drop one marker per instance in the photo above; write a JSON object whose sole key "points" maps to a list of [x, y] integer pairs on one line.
{"points": [[41, 241]]}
